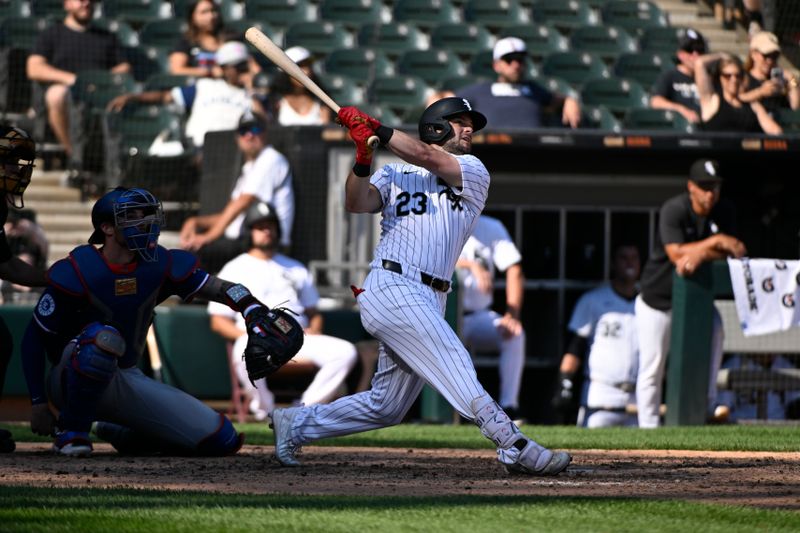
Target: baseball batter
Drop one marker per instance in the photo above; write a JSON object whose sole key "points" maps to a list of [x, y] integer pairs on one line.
{"points": [[280, 281], [603, 325], [428, 206], [90, 324]]}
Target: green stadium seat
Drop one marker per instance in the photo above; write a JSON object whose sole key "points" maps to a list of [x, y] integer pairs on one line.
{"points": [[137, 12], [392, 38], [655, 119], [280, 13], [598, 118], [164, 33], [47, 8], [97, 87], [21, 32], [400, 93], [382, 113], [12, 8], [462, 38], [433, 66], [319, 37], [481, 65], [237, 28], [644, 67], [564, 14], [137, 126], [617, 94], [574, 67], [540, 39], [789, 119], [661, 40], [147, 60], [342, 89], [162, 81], [358, 64], [456, 83], [353, 13], [557, 85], [228, 9], [425, 13], [608, 42], [126, 35], [633, 16], [495, 13]]}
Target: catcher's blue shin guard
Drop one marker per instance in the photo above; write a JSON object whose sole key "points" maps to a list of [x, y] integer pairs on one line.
{"points": [[91, 367], [224, 441]]}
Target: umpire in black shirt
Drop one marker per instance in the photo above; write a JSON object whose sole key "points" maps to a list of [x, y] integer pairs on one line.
{"points": [[694, 227]]}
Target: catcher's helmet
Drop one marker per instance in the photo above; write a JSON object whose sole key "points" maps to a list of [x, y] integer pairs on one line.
{"points": [[434, 126], [136, 213], [262, 211], [17, 152]]}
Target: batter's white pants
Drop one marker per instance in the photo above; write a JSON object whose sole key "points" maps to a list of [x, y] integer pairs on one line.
{"points": [[417, 346], [480, 333], [655, 329], [335, 358]]}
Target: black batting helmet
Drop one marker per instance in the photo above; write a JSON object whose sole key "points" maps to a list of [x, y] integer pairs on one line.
{"points": [[262, 211], [434, 126]]}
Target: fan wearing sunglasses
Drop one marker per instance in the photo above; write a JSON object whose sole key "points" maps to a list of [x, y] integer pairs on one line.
{"points": [[766, 81]]}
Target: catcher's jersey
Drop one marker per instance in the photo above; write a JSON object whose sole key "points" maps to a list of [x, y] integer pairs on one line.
{"points": [[607, 320], [491, 245], [277, 282], [425, 222]]}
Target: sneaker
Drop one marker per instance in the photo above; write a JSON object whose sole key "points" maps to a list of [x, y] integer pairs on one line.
{"points": [[537, 463], [73, 443], [285, 447]]}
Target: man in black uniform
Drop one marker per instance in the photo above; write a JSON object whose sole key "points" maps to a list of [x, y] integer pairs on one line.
{"points": [[676, 89], [693, 227], [17, 152]]}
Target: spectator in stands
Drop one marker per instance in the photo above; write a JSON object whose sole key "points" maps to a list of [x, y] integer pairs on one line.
{"points": [[694, 227], [265, 177], [773, 405], [195, 52], [278, 280], [759, 15], [603, 339], [766, 82], [675, 89], [212, 104], [720, 79], [291, 103], [63, 50], [514, 102], [488, 248]]}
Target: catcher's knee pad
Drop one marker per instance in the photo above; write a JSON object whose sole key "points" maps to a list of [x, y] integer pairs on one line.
{"points": [[96, 352], [495, 424], [224, 441]]}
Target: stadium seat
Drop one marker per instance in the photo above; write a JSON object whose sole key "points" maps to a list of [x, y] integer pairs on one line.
{"points": [[164, 33], [495, 14], [644, 67], [319, 37], [564, 14], [97, 87], [399, 92], [633, 16], [21, 32], [342, 89], [137, 126], [461, 37], [425, 13], [392, 38], [574, 67], [481, 65], [147, 60], [433, 66], [598, 118], [661, 40], [456, 83], [237, 28], [136, 12], [126, 35], [540, 39], [655, 119], [359, 64], [617, 94], [12, 8], [557, 85], [353, 13], [162, 81], [47, 8], [789, 119], [228, 9], [608, 42], [382, 113], [279, 13]]}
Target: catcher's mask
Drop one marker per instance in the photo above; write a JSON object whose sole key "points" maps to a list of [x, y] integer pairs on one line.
{"points": [[434, 125], [136, 213], [262, 211], [17, 152]]}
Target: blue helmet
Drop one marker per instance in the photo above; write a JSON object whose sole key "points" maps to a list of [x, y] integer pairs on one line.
{"points": [[136, 213]]}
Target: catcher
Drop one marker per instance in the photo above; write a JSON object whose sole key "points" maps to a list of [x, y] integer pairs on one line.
{"points": [[91, 322]]}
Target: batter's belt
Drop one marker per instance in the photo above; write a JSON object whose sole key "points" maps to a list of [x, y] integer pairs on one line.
{"points": [[426, 279]]}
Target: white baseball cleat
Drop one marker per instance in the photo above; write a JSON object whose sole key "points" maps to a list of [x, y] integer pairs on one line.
{"points": [[285, 447], [534, 460]]}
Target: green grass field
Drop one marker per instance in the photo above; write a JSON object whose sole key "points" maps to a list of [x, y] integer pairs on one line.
{"points": [[101, 510]]}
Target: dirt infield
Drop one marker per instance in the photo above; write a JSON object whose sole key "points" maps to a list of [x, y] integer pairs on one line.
{"points": [[767, 480]]}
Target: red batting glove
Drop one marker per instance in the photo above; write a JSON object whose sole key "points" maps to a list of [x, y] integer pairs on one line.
{"points": [[360, 134], [351, 116]]}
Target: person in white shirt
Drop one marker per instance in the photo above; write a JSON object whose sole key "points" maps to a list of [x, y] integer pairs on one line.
{"points": [[282, 282], [488, 249], [293, 104]]}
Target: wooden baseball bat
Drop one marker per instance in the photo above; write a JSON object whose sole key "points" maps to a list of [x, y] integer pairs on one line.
{"points": [[274, 53]]}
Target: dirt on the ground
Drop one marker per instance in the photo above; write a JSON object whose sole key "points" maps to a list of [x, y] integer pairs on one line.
{"points": [[760, 479]]}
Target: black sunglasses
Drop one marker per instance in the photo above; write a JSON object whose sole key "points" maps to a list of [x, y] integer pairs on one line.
{"points": [[509, 58], [255, 129]]}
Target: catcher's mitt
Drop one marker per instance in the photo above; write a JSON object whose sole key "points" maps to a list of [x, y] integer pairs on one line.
{"points": [[273, 338]]}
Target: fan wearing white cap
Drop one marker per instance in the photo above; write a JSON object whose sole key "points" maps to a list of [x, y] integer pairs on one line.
{"points": [[514, 102], [291, 103], [211, 104], [766, 81]]}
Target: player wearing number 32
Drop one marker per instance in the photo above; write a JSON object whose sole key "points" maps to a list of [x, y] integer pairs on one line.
{"points": [[90, 324], [429, 206]]}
